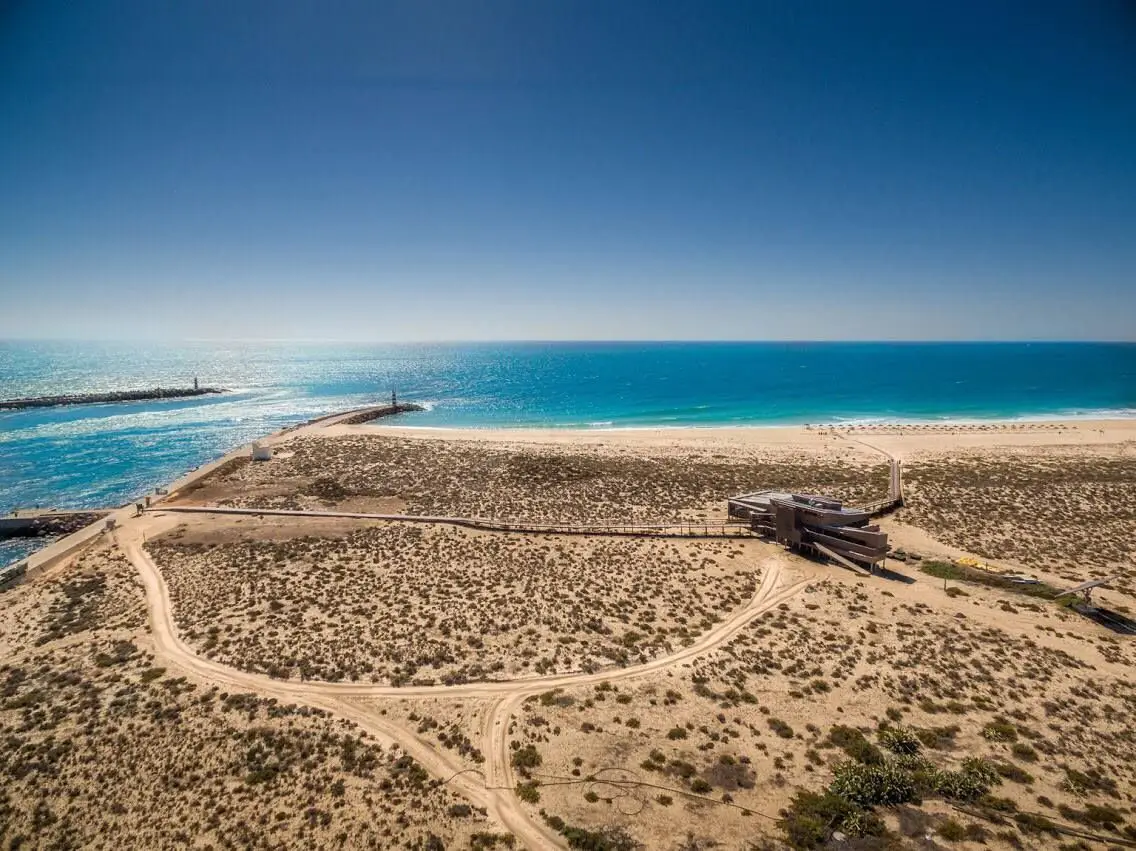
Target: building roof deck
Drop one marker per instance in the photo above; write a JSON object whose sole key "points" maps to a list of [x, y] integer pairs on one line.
{"points": [[764, 500]]}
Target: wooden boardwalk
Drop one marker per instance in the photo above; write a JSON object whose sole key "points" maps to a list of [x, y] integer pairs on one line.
{"points": [[639, 530], [894, 499]]}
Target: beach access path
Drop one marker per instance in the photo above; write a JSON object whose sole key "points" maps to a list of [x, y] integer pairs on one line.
{"points": [[491, 787]]}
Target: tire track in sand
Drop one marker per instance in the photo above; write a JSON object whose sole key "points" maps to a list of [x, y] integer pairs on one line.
{"points": [[492, 787]]}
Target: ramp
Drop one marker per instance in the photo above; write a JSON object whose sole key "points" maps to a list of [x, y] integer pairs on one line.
{"points": [[841, 560]]}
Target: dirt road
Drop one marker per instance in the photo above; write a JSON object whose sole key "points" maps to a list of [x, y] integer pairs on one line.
{"points": [[493, 788]]}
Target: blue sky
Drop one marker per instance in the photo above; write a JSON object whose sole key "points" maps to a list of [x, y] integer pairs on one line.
{"points": [[590, 170]]}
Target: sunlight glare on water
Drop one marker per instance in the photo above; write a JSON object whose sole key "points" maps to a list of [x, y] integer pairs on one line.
{"points": [[98, 455]]}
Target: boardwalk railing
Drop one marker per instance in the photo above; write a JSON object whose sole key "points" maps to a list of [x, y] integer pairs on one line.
{"points": [[894, 499], [658, 530]]}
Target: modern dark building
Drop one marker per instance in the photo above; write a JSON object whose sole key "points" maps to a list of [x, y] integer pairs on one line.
{"points": [[814, 525]]}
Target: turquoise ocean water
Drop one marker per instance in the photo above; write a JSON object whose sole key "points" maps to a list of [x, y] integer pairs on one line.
{"points": [[107, 454]]}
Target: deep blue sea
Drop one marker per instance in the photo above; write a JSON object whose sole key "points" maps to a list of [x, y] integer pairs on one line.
{"points": [[106, 454]]}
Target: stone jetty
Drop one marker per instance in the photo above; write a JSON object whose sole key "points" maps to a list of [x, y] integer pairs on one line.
{"points": [[368, 414], [103, 398]]}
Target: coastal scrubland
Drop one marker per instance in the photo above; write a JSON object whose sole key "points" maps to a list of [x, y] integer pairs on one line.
{"points": [[400, 603], [557, 482], [911, 709], [104, 748], [857, 709], [1065, 511]]}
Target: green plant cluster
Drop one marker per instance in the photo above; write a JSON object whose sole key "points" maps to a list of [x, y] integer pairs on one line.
{"points": [[962, 573], [900, 740], [605, 839], [886, 784], [876, 779]]}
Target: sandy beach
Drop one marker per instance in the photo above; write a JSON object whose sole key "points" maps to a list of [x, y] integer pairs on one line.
{"points": [[633, 691], [908, 438]]}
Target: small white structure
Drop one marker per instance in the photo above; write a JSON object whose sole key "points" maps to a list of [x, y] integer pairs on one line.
{"points": [[261, 453]]}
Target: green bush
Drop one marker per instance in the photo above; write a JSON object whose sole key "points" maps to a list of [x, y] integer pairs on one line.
{"points": [[608, 839], [863, 823], [780, 728], [1092, 780], [962, 573], [975, 779], [1024, 752], [924, 774], [554, 821], [682, 768], [852, 742], [951, 830], [1014, 773], [982, 770], [1000, 730], [1102, 816], [958, 786], [811, 818], [1029, 823], [900, 740], [998, 803], [527, 758], [873, 785], [938, 738]]}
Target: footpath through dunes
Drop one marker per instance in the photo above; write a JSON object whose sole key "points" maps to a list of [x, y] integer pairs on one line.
{"points": [[494, 790], [107, 747]]}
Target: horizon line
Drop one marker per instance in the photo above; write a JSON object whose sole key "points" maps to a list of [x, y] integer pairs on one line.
{"points": [[577, 340]]}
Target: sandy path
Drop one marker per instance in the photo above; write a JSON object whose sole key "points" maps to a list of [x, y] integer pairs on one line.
{"points": [[494, 790]]}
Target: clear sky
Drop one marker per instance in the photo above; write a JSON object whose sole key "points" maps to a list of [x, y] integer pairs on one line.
{"points": [[545, 169]]}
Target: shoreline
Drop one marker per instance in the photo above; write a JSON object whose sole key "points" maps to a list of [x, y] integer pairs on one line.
{"points": [[1118, 429], [1102, 415], [902, 440], [1065, 422]]}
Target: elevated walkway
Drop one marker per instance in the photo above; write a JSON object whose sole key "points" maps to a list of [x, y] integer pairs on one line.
{"points": [[661, 530]]}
